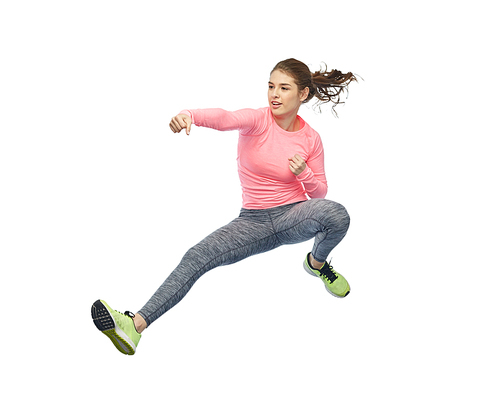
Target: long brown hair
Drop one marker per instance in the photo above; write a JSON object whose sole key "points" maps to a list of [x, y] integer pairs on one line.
{"points": [[326, 86]]}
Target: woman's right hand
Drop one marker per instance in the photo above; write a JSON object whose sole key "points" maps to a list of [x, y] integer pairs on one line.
{"points": [[179, 122]]}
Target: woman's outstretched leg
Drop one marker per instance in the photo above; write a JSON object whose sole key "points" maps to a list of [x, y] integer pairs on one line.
{"points": [[243, 237]]}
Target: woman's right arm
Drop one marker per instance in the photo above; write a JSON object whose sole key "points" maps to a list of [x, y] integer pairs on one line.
{"points": [[248, 121]]}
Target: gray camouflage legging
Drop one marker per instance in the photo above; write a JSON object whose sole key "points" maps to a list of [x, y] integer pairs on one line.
{"points": [[253, 232]]}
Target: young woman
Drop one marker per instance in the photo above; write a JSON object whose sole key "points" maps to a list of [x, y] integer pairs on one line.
{"points": [[281, 169]]}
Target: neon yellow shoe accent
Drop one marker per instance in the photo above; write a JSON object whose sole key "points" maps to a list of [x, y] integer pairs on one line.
{"points": [[118, 327], [335, 283]]}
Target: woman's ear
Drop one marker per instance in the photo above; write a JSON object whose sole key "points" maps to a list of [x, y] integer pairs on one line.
{"points": [[303, 94]]}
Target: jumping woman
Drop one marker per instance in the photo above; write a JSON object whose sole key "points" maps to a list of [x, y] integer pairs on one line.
{"points": [[281, 169]]}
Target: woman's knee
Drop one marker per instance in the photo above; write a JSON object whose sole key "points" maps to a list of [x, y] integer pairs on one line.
{"points": [[199, 255], [336, 214]]}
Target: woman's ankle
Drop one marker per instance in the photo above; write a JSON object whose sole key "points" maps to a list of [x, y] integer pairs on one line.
{"points": [[314, 263], [139, 323]]}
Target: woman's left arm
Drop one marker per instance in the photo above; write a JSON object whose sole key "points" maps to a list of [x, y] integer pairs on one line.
{"points": [[312, 172]]}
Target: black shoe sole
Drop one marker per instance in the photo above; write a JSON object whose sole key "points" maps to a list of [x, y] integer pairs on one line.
{"points": [[103, 319]]}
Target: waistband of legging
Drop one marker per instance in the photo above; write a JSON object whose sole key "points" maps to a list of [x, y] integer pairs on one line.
{"points": [[267, 211]]}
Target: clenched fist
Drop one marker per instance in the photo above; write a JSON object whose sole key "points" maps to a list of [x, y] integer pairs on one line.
{"points": [[297, 165], [179, 122]]}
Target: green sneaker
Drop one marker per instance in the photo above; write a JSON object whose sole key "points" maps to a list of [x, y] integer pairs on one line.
{"points": [[335, 283], [118, 327]]}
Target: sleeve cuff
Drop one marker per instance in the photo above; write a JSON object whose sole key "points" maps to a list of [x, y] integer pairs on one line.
{"points": [[305, 175], [189, 113]]}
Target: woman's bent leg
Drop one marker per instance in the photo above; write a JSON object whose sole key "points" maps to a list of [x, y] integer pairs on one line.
{"points": [[325, 221], [236, 241]]}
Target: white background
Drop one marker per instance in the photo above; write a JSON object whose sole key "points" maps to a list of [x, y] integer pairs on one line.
{"points": [[100, 200]]}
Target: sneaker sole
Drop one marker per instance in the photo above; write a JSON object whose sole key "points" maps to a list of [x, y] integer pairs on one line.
{"points": [[105, 322], [330, 292]]}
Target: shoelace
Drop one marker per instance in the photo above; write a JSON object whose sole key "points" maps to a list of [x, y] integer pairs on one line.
{"points": [[127, 313], [328, 273]]}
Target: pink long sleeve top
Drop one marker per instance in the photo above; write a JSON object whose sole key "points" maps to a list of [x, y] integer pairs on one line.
{"points": [[263, 152]]}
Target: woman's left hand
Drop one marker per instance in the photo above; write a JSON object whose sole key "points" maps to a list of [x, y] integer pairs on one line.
{"points": [[297, 165]]}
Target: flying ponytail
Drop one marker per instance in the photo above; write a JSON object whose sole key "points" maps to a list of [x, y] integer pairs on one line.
{"points": [[326, 86]]}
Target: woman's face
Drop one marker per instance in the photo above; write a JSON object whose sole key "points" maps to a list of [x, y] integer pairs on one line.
{"points": [[283, 94]]}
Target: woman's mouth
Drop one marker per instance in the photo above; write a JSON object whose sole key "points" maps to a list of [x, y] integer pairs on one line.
{"points": [[275, 104]]}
